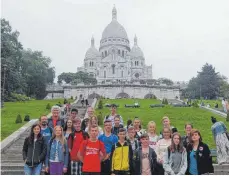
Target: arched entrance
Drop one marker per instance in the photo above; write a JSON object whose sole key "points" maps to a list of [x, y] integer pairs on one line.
{"points": [[122, 95], [93, 95], [149, 96]]}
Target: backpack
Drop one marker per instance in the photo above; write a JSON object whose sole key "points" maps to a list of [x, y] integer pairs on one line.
{"points": [[72, 135]]}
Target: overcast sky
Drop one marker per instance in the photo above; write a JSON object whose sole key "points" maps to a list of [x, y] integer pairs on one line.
{"points": [[176, 36]]}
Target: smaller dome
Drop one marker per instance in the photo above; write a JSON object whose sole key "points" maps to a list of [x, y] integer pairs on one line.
{"points": [[92, 52], [136, 50]]}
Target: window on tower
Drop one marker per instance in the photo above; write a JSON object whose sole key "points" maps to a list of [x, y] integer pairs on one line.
{"points": [[122, 53], [105, 74], [119, 52], [105, 53]]}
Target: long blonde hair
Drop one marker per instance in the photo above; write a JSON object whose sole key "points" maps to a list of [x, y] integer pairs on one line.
{"points": [[151, 123], [63, 141]]}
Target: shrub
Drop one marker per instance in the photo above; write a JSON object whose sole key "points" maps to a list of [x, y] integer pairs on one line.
{"points": [[18, 119], [100, 105], [65, 101], [71, 97], [195, 104], [27, 118], [18, 97], [100, 118], [227, 116], [165, 101], [48, 106]]}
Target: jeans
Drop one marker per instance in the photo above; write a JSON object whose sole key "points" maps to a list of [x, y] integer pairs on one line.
{"points": [[36, 170]]}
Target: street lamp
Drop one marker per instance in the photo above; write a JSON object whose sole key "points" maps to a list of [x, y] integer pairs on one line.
{"points": [[3, 87]]}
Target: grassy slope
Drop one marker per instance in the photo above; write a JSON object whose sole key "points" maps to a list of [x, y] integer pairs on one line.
{"points": [[34, 109], [179, 116]]}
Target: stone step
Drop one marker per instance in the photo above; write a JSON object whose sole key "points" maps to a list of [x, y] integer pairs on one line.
{"points": [[11, 161], [12, 166], [12, 172]]}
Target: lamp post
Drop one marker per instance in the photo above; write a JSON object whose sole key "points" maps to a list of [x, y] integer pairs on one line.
{"points": [[3, 86]]}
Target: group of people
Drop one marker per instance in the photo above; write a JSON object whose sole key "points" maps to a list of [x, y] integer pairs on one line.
{"points": [[73, 146]]}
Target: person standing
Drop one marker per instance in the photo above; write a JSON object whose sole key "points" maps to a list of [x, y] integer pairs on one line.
{"points": [[185, 139], [175, 158], [117, 125], [145, 158], [161, 148], [55, 118], [82, 102], [34, 151], [199, 156], [131, 139], [91, 152], [222, 143], [153, 137], [122, 156], [45, 130], [74, 141], [57, 153], [224, 105], [113, 114], [138, 128], [86, 102], [68, 128], [166, 124], [109, 140], [94, 121], [74, 113]]}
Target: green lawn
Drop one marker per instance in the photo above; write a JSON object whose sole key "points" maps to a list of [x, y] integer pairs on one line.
{"points": [[200, 118], [34, 109], [212, 103]]}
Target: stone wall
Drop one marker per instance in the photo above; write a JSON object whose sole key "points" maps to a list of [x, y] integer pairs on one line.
{"points": [[118, 91]]}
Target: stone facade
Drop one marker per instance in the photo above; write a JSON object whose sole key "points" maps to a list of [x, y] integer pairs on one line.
{"points": [[116, 61], [122, 91]]}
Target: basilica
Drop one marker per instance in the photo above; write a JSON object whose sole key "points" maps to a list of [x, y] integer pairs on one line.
{"points": [[116, 61]]}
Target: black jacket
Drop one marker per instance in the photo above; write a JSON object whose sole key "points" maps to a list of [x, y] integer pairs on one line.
{"points": [[138, 161], [34, 153], [185, 140], [59, 122], [203, 157]]}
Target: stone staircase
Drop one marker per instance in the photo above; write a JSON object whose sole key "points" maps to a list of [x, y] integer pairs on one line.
{"points": [[81, 110], [11, 158]]}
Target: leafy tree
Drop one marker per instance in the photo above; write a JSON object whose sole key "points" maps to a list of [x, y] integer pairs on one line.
{"points": [[76, 78], [166, 81], [206, 84], [24, 71]]}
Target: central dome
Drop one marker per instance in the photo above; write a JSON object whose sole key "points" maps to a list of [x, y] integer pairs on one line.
{"points": [[114, 29]]}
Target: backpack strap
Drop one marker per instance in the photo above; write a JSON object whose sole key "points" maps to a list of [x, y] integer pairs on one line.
{"points": [[169, 152], [50, 145]]}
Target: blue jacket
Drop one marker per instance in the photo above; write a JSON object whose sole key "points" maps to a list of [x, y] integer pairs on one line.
{"points": [[51, 149], [218, 128]]}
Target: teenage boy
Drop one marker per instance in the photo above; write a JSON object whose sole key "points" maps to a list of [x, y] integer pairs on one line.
{"points": [[109, 140], [74, 113], [145, 159], [74, 141], [55, 119], [131, 139], [117, 125], [91, 152], [122, 156], [113, 114]]}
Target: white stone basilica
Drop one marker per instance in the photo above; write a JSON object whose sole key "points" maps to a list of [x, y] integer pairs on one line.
{"points": [[115, 61]]}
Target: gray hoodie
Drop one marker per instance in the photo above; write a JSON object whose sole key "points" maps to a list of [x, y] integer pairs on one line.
{"points": [[170, 165]]}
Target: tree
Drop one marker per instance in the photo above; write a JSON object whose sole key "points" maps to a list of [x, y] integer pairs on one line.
{"points": [[206, 84], [166, 81], [26, 71], [76, 78]]}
